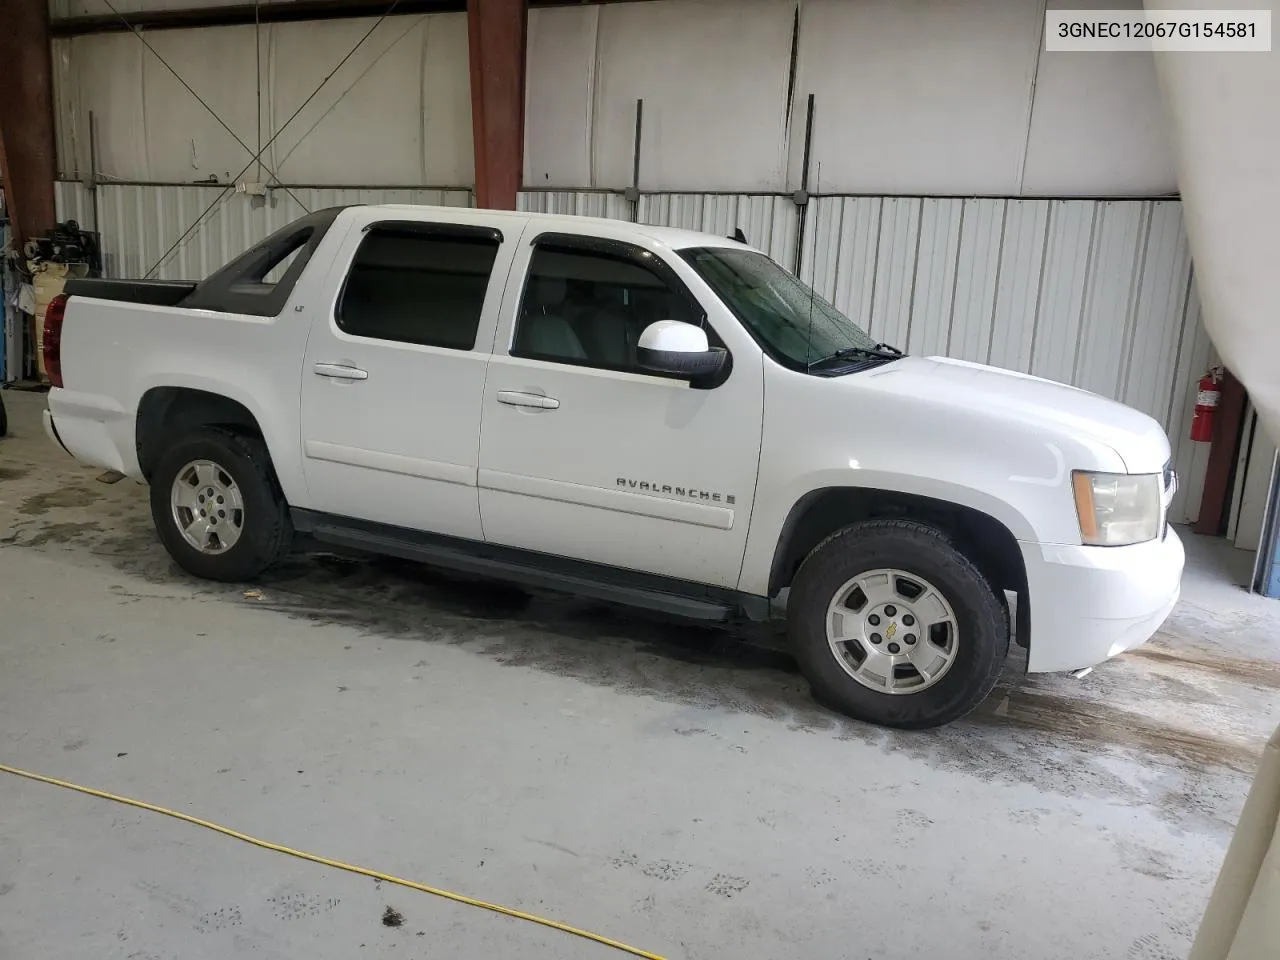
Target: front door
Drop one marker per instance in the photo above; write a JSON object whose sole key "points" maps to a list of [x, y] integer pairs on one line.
{"points": [[395, 369], [583, 453]]}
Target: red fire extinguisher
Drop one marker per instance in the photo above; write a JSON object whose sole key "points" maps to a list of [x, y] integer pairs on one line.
{"points": [[1208, 394]]}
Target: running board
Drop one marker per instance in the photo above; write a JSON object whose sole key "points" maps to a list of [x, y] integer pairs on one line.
{"points": [[610, 584]]}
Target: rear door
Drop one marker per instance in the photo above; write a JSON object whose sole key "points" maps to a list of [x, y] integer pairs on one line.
{"points": [[395, 369]]}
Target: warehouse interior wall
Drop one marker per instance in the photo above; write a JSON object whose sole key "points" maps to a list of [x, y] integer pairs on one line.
{"points": [[936, 97], [406, 90]]}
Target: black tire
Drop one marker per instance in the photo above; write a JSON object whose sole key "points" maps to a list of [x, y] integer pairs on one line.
{"points": [[265, 533], [4, 419], [981, 639]]}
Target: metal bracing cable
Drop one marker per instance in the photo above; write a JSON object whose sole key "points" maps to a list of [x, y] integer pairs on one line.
{"points": [[213, 113], [329, 76]]}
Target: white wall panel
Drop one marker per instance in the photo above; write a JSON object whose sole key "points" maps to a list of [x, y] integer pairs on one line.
{"points": [[149, 127], [977, 277], [942, 97], [73, 201], [1056, 336], [1164, 283], [713, 77], [935, 277], [102, 75], [1022, 251], [894, 280], [184, 141], [1107, 313], [560, 73], [931, 96], [847, 229], [1098, 125], [397, 112]]}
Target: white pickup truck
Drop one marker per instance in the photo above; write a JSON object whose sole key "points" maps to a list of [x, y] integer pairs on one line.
{"points": [[639, 414]]}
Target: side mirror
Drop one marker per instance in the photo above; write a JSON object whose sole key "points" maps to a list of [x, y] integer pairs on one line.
{"points": [[670, 346]]}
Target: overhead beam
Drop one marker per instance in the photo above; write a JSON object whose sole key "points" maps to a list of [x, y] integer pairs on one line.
{"points": [[496, 34], [240, 14], [28, 160]]}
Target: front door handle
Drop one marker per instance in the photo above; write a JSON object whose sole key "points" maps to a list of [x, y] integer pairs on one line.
{"points": [[518, 398], [340, 371]]}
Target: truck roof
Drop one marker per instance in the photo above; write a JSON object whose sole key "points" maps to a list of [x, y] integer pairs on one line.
{"points": [[673, 237]]}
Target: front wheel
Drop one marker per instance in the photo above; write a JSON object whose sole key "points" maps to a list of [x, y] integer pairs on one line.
{"points": [[892, 625], [217, 506]]}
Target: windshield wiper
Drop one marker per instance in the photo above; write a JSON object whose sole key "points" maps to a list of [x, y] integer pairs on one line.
{"points": [[881, 351]]}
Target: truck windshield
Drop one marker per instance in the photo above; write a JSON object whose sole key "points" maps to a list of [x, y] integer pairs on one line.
{"points": [[797, 328]]}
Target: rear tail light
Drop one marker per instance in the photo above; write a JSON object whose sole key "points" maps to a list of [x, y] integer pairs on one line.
{"points": [[52, 341]]}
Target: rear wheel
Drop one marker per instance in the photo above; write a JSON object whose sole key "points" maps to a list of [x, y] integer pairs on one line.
{"points": [[217, 506], [892, 625]]}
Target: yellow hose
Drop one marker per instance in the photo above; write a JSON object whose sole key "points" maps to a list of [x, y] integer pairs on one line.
{"points": [[350, 868]]}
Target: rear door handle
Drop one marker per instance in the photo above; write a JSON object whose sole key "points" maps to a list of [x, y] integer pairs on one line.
{"points": [[518, 398], [340, 371]]}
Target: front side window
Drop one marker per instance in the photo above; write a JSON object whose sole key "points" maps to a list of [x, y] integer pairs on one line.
{"points": [[797, 328], [424, 286], [589, 308]]}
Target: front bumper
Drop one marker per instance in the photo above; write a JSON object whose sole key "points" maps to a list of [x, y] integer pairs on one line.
{"points": [[1090, 603]]}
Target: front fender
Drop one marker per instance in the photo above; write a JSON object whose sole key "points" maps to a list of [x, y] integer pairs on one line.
{"points": [[773, 516]]}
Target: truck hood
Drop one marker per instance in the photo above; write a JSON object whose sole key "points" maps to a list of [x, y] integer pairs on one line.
{"points": [[1137, 439]]}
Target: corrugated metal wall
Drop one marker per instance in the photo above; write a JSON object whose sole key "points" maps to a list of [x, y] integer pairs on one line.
{"points": [[140, 224], [770, 220], [1096, 293]]}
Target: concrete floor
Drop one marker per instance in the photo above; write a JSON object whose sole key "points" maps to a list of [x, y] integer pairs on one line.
{"points": [[660, 784]]}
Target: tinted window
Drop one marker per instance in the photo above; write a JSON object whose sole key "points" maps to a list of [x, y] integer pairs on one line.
{"points": [[417, 288], [590, 308], [786, 317]]}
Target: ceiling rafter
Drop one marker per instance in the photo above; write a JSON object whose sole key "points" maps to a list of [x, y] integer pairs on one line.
{"points": [[242, 14]]}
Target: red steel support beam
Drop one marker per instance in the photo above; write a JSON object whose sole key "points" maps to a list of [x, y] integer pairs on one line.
{"points": [[1228, 424], [26, 116], [496, 32]]}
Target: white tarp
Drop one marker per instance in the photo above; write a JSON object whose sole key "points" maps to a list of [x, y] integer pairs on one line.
{"points": [[1223, 109], [1226, 126], [1243, 918]]}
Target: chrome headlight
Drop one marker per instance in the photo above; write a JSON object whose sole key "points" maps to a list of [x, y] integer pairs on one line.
{"points": [[1117, 509]]}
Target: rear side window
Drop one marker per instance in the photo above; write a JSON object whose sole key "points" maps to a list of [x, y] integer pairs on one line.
{"points": [[418, 285]]}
